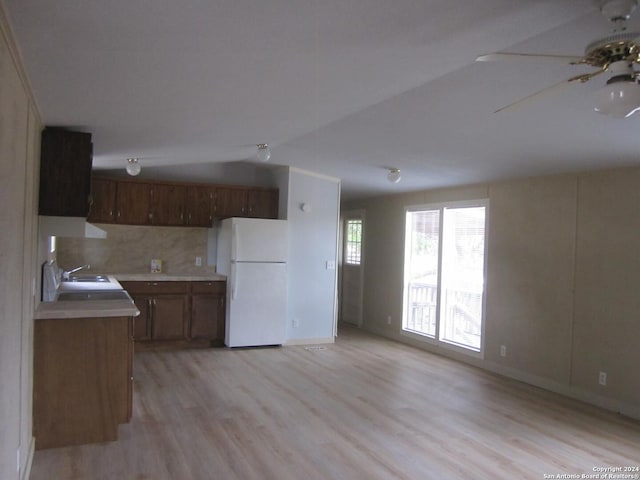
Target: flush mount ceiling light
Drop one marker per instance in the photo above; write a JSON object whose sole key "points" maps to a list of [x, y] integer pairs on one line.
{"points": [[394, 175], [133, 167], [620, 97], [264, 153]]}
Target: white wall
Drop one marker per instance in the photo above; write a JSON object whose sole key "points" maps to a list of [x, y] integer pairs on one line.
{"points": [[19, 150], [562, 280], [313, 239]]}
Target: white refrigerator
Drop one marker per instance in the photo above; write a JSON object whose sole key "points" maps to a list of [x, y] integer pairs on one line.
{"points": [[252, 253]]}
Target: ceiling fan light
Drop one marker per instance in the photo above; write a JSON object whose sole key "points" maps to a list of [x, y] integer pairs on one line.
{"points": [[394, 175], [619, 99], [264, 153], [133, 166]]}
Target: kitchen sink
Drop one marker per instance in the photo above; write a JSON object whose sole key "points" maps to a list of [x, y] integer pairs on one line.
{"points": [[88, 278], [94, 295]]}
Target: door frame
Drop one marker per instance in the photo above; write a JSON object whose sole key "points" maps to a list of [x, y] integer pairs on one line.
{"points": [[349, 215]]}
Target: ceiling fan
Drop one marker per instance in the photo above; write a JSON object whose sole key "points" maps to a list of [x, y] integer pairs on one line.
{"points": [[615, 53]]}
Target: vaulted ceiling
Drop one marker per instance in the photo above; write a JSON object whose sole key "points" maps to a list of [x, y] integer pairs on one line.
{"points": [[345, 88]]}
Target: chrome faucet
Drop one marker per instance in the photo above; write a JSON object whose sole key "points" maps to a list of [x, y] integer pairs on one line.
{"points": [[65, 275]]}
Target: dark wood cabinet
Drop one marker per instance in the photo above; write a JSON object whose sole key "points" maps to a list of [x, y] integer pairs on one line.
{"points": [[208, 311], [103, 201], [164, 310], [142, 323], [199, 203], [169, 317], [230, 202], [167, 204], [142, 202], [178, 314], [82, 379], [133, 203], [262, 203], [65, 173]]}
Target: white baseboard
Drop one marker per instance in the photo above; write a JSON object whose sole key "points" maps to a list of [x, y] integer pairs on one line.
{"points": [[613, 405], [309, 341]]}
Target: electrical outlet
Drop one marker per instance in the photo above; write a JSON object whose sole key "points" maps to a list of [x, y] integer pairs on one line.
{"points": [[602, 379], [198, 261], [503, 350], [389, 320], [295, 323]]}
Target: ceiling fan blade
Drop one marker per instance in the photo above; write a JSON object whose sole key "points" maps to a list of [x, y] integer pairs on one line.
{"points": [[552, 88], [511, 56]]}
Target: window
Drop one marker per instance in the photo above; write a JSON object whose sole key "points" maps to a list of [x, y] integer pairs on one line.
{"points": [[353, 244], [444, 273]]}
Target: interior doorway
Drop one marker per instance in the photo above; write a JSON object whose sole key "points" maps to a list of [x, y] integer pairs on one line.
{"points": [[352, 274]]}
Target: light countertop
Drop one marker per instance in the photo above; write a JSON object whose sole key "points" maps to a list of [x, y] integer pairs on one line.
{"points": [[164, 277], [110, 308], [86, 309]]}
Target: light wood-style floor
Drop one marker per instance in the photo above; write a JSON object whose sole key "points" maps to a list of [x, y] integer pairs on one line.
{"points": [[363, 408]]}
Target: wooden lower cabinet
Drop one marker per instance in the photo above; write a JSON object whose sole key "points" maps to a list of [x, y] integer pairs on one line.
{"points": [[208, 312], [82, 379], [178, 314], [142, 323], [170, 317]]}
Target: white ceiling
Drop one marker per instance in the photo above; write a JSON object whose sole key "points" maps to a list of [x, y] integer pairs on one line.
{"points": [[339, 87]]}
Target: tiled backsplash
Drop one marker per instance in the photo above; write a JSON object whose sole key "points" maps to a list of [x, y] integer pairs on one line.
{"points": [[129, 249]]}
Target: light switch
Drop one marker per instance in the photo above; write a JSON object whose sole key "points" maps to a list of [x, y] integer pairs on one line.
{"points": [[331, 265]]}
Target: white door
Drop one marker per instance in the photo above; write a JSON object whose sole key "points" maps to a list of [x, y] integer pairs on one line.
{"points": [[352, 268], [257, 304]]}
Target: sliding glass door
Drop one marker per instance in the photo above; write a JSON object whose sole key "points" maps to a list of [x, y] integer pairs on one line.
{"points": [[444, 273]]}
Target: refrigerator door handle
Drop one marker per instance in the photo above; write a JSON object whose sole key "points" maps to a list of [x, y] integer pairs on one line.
{"points": [[234, 283]]}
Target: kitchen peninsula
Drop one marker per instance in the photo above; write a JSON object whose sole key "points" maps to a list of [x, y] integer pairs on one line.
{"points": [[82, 370]]}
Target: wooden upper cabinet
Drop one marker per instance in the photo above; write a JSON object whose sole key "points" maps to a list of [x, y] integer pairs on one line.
{"points": [[103, 201], [144, 202], [230, 202], [262, 203], [65, 173], [133, 203], [199, 204], [167, 204]]}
